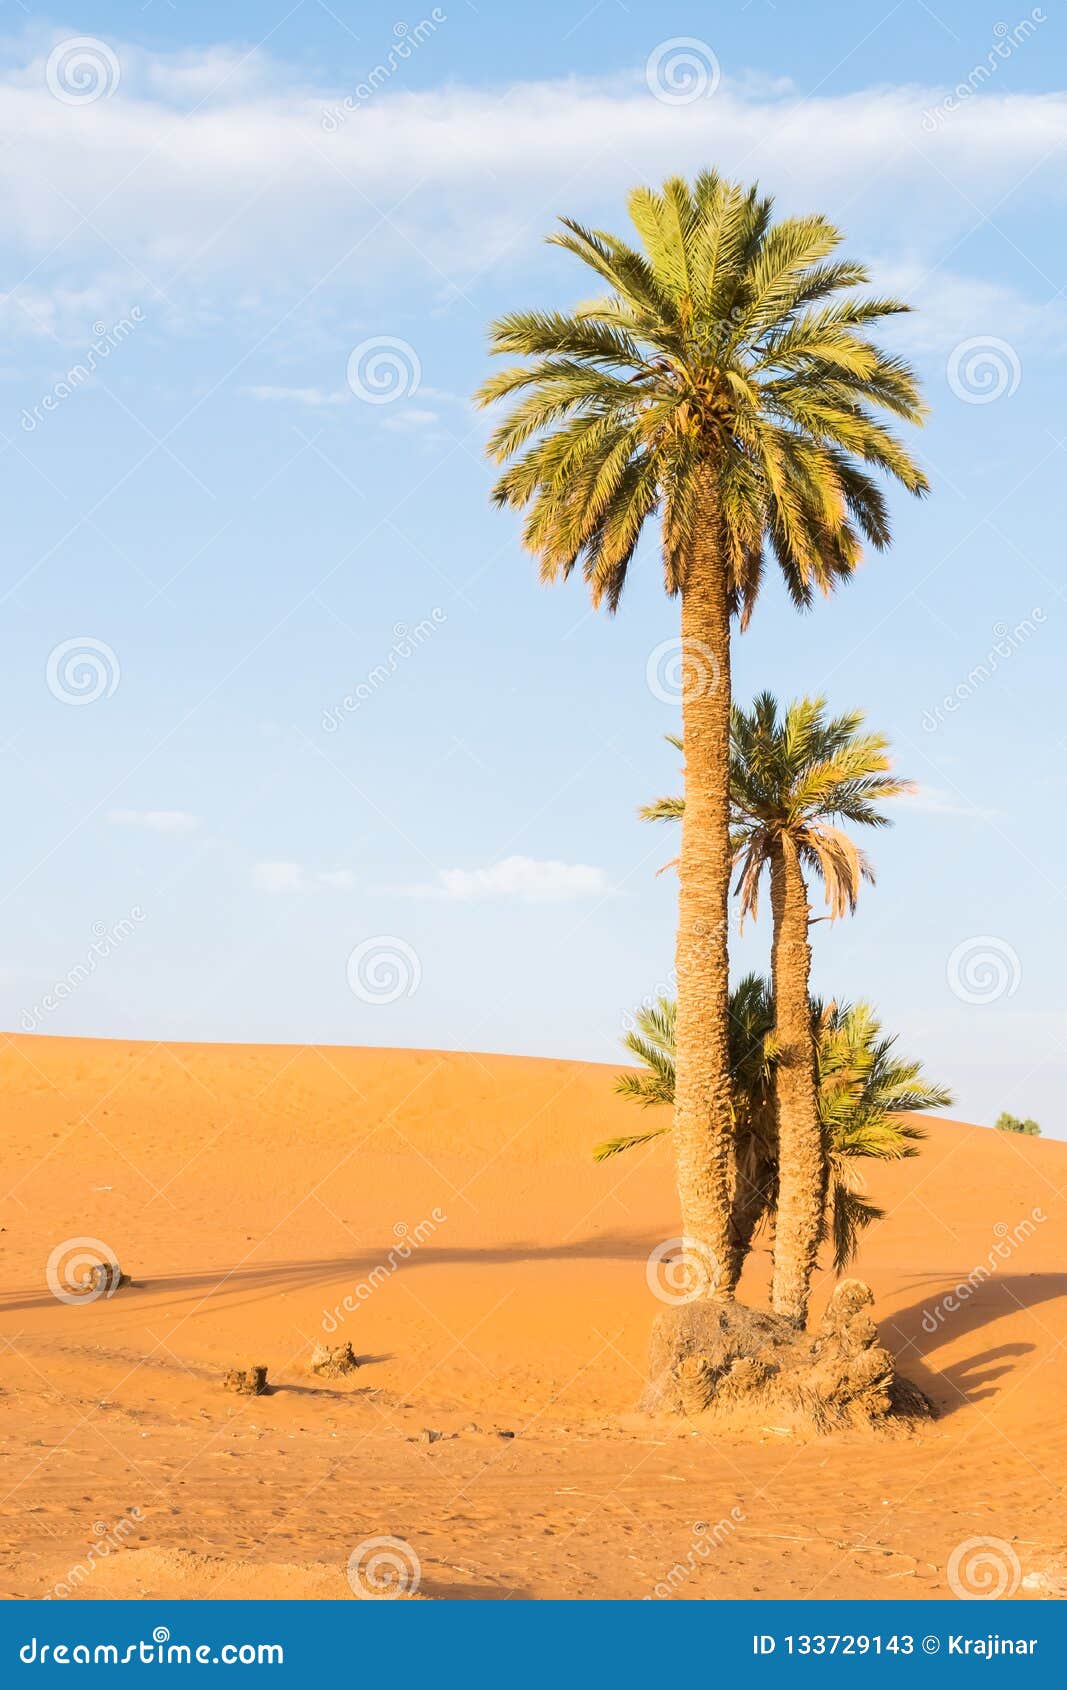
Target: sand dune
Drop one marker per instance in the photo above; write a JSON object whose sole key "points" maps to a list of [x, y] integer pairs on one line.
{"points": [[442, 1212]]}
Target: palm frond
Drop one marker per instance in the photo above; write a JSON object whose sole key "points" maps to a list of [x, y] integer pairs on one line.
{"points": [[615, 1146]]}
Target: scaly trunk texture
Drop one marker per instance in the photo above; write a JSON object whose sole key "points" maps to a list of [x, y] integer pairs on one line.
{"points": [[801, 1158], [703, 1114]]}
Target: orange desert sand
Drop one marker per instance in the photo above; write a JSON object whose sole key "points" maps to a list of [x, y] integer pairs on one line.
{"points": [[249, 1190]]}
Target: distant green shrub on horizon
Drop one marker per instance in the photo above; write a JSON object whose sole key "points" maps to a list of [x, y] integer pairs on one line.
{"points": [[1006, 1123]]}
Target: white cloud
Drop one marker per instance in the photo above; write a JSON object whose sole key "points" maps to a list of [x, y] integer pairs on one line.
{"points": [[948, 307], [411, 419], [198, 161], [521, 879], [277, 877], [157, 821], [314, 396], [294, 877], [340, 878], [189, 77]]}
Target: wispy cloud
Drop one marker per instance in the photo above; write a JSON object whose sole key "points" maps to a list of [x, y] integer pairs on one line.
{"points": [[946, 303], [935, 801], [277, 878], [342, 879], [156, 821], [516, 879], [411, 419], [312, 396]]}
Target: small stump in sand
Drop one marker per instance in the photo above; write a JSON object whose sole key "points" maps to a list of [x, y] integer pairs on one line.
{"points": [[103, 1280], [742, 1363], [246, 1381], [335, 1363]]}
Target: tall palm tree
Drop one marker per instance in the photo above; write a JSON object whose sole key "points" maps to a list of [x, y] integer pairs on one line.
{"points": [[793, 778], [726, 380], [864, 1087]]}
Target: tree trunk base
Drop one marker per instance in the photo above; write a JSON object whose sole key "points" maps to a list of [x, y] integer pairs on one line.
{"points": [[741, 1364]]}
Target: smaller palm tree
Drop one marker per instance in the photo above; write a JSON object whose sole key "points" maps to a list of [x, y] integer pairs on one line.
{"points": [[863, 1088], [794, 778]]}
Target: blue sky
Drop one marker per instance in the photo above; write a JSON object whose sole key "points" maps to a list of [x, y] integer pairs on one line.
{"points": [[214, 538]]}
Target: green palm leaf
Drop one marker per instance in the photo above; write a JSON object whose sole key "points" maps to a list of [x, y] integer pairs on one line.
{"points": [[865, 1089]]}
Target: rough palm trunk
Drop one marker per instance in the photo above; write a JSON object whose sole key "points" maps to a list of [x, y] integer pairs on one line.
{"points": [[801, 1157], [703, 1114]]}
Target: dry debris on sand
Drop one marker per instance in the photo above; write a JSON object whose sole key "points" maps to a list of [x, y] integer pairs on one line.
{"points": [[246, 1381], [333, 1363]]}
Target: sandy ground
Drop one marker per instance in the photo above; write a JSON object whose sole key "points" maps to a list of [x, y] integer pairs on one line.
{"points": [[250, 1190]]}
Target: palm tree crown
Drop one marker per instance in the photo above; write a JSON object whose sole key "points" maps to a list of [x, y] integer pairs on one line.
{"points": [[795, 776], [798, 775], [730, 346]]}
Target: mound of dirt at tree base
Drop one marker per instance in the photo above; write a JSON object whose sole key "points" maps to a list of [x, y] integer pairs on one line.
{"points": [[726, 1360]]}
